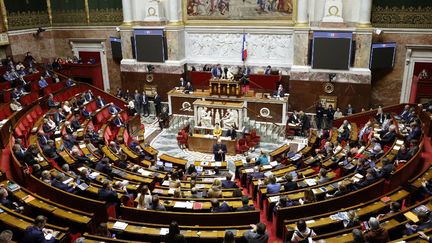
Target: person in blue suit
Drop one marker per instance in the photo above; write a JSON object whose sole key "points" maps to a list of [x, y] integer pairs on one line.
{"points": [[228, 183]]}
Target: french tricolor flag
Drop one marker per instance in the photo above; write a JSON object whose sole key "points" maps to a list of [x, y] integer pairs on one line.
{"points": [[244, 48]]}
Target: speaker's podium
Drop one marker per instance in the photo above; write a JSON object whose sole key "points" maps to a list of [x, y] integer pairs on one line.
{"points": [[224, 87]]}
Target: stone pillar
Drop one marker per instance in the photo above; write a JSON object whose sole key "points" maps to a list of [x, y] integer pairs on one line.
{"points": [[301, 42], [127, 11], [365, 13], [174, 11], [363, 42], [302, 12], [126, 33]]}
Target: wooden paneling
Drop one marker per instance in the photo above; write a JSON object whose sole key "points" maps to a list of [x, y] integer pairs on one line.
{"points": [[164, 82], [304, 95], [276, 112]]}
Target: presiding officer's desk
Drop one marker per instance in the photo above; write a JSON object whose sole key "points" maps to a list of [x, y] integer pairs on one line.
{"points": [[259, 108]]}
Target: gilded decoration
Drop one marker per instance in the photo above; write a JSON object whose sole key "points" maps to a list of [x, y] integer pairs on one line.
{"points": [[106, 16], [25, 20], [240, 12], [69, 17], [402, 17]]}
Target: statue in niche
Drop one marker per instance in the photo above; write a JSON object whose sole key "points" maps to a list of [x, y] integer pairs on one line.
{"points": [[217, 117], [230, 119], [206, 117]]}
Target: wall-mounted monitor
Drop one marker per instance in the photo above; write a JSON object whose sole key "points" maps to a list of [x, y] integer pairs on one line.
{"points": [[382, 55], [331, 50]]}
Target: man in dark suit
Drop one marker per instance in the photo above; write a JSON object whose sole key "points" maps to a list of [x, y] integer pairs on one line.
{"points": [[138, 102], [157, 103], [330, 116], [51, 103], [319, 114], [35, 233], [42, 138], [188, 88], [59, 116], [257, 234], [182, 82], [219, 151], [219, 208], [246, 206], [387, 169], [113, 109], [58, 183], [280, 92], [49, 150], [228, 183], [88, 96], [104, 166], [85, 113], [216, 71], [118, 121], [163, 118], [107, 194], [76, 124], [145, 104], [100, 102], [389, 136], [415, 132]]}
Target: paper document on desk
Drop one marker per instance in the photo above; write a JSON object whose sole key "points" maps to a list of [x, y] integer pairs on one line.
{"points": [[164, 231], [310, 182], [266, 167], [274, 163], [180, 204], [250, 170], [274, 199], [93, 175], [218, 164], [68, 180], [120, 225], [82, 145], [165, 183]]}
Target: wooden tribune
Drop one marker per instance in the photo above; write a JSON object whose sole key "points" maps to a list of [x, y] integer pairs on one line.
{"points": [[204, 143], [224, 87]]}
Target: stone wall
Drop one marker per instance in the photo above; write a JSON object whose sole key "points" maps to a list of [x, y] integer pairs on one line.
{"points": [[387, 85]]}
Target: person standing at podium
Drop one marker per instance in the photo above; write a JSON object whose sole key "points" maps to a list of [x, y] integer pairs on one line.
{"points": [[219, 151], [188, 88]]}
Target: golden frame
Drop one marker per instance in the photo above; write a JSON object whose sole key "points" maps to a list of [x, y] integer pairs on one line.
{"points": [[277, 22]]}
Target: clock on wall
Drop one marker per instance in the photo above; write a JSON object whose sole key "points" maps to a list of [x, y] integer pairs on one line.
{"points": [[333, 11], [153, 11]]}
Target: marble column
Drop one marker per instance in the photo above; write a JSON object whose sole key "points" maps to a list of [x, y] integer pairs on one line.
{"points": [[126, 33], [127, 11], [302, 12], [174, 8], [365, 13]]}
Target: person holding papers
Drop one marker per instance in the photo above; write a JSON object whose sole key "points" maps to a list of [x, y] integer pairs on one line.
{"points": [[219, 151], [262, 159], [37, 233]]}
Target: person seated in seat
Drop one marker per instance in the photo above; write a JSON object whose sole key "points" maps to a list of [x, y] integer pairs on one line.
{"points": [[113, 109], [425, 222], [144, 198], [217, 130], [309, 197], [58, 182], [104, 166], [109, 195], [302, 232], [6, 236], [228, 183], [102, 230], [323, 178], [42, 82], [289, 185], [262, 159], [389, 136], [280, 92], [48, 125], [15, 105], [37, 232], [283, 203], [7, 201], [376, 233], [216, 207], [245, 205], [386, 170], [257, 234], [156, 204], [174, 235], [273, 187]]}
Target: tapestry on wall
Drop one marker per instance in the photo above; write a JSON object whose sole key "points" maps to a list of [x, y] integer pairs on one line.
{"points": [[106, 12], [235, 10], [402, 13], [68, 12], [23, 14]]}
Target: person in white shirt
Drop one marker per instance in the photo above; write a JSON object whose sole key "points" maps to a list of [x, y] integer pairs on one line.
{"points": [[66, 107], [15, 105], [338, 114], [302, 232]]}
